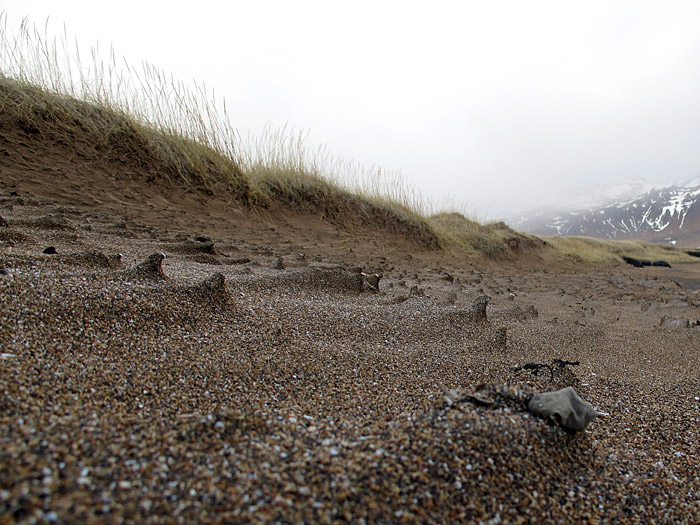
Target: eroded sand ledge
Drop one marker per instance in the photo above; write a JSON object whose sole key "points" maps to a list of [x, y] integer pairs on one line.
{"points": [[237, 386]]}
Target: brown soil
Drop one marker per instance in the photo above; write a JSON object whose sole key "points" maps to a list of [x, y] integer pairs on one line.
{"points": [[256, 376]]}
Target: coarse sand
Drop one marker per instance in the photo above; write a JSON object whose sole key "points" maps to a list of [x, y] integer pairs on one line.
{"points": [[181, 360]]}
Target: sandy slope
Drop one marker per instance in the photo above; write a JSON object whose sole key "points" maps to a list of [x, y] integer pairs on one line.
{"points": [[259, 378]]}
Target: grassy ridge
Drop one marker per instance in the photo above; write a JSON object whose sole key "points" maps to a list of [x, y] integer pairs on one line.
{"points": [[495, 240], [159, 129], [603, 251], [111, 138]]}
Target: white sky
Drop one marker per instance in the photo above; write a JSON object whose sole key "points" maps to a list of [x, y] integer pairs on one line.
{"points": [[497, 105]]}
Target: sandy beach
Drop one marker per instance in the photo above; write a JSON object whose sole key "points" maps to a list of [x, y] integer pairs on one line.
{"points": [[179, 360]]}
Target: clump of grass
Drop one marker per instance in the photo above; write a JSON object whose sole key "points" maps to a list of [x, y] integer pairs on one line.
{"points": [[494, 240], [282, 169], [280, 163], [603, 251], [112, 139], [112, 115]]}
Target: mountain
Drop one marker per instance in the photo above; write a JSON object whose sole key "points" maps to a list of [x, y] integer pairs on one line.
{"points": [[667, 215]]}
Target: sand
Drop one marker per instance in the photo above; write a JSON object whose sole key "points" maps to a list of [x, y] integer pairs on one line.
{"points": [[250, 373]]}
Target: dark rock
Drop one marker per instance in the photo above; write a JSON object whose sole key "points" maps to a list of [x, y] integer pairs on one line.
{"points": [[693, 253], [637, 263], [50, 250], [202, 238], [661, 263], [3, 222]]}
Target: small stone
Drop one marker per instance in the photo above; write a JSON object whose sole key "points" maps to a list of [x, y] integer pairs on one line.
{"points": [[480, 398], [50, 250], [564, 407]]}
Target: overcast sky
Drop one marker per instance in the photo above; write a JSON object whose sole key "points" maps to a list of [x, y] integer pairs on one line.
{"points": [[498, 106]]}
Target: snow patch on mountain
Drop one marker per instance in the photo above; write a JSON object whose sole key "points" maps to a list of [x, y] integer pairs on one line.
{"points": [[666, 214]]}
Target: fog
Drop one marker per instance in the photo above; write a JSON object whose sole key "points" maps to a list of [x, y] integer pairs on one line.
{"points": [[494, 106]]}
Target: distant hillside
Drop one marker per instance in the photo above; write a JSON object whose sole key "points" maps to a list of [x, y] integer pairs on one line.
{"points": [[667, 215]]}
